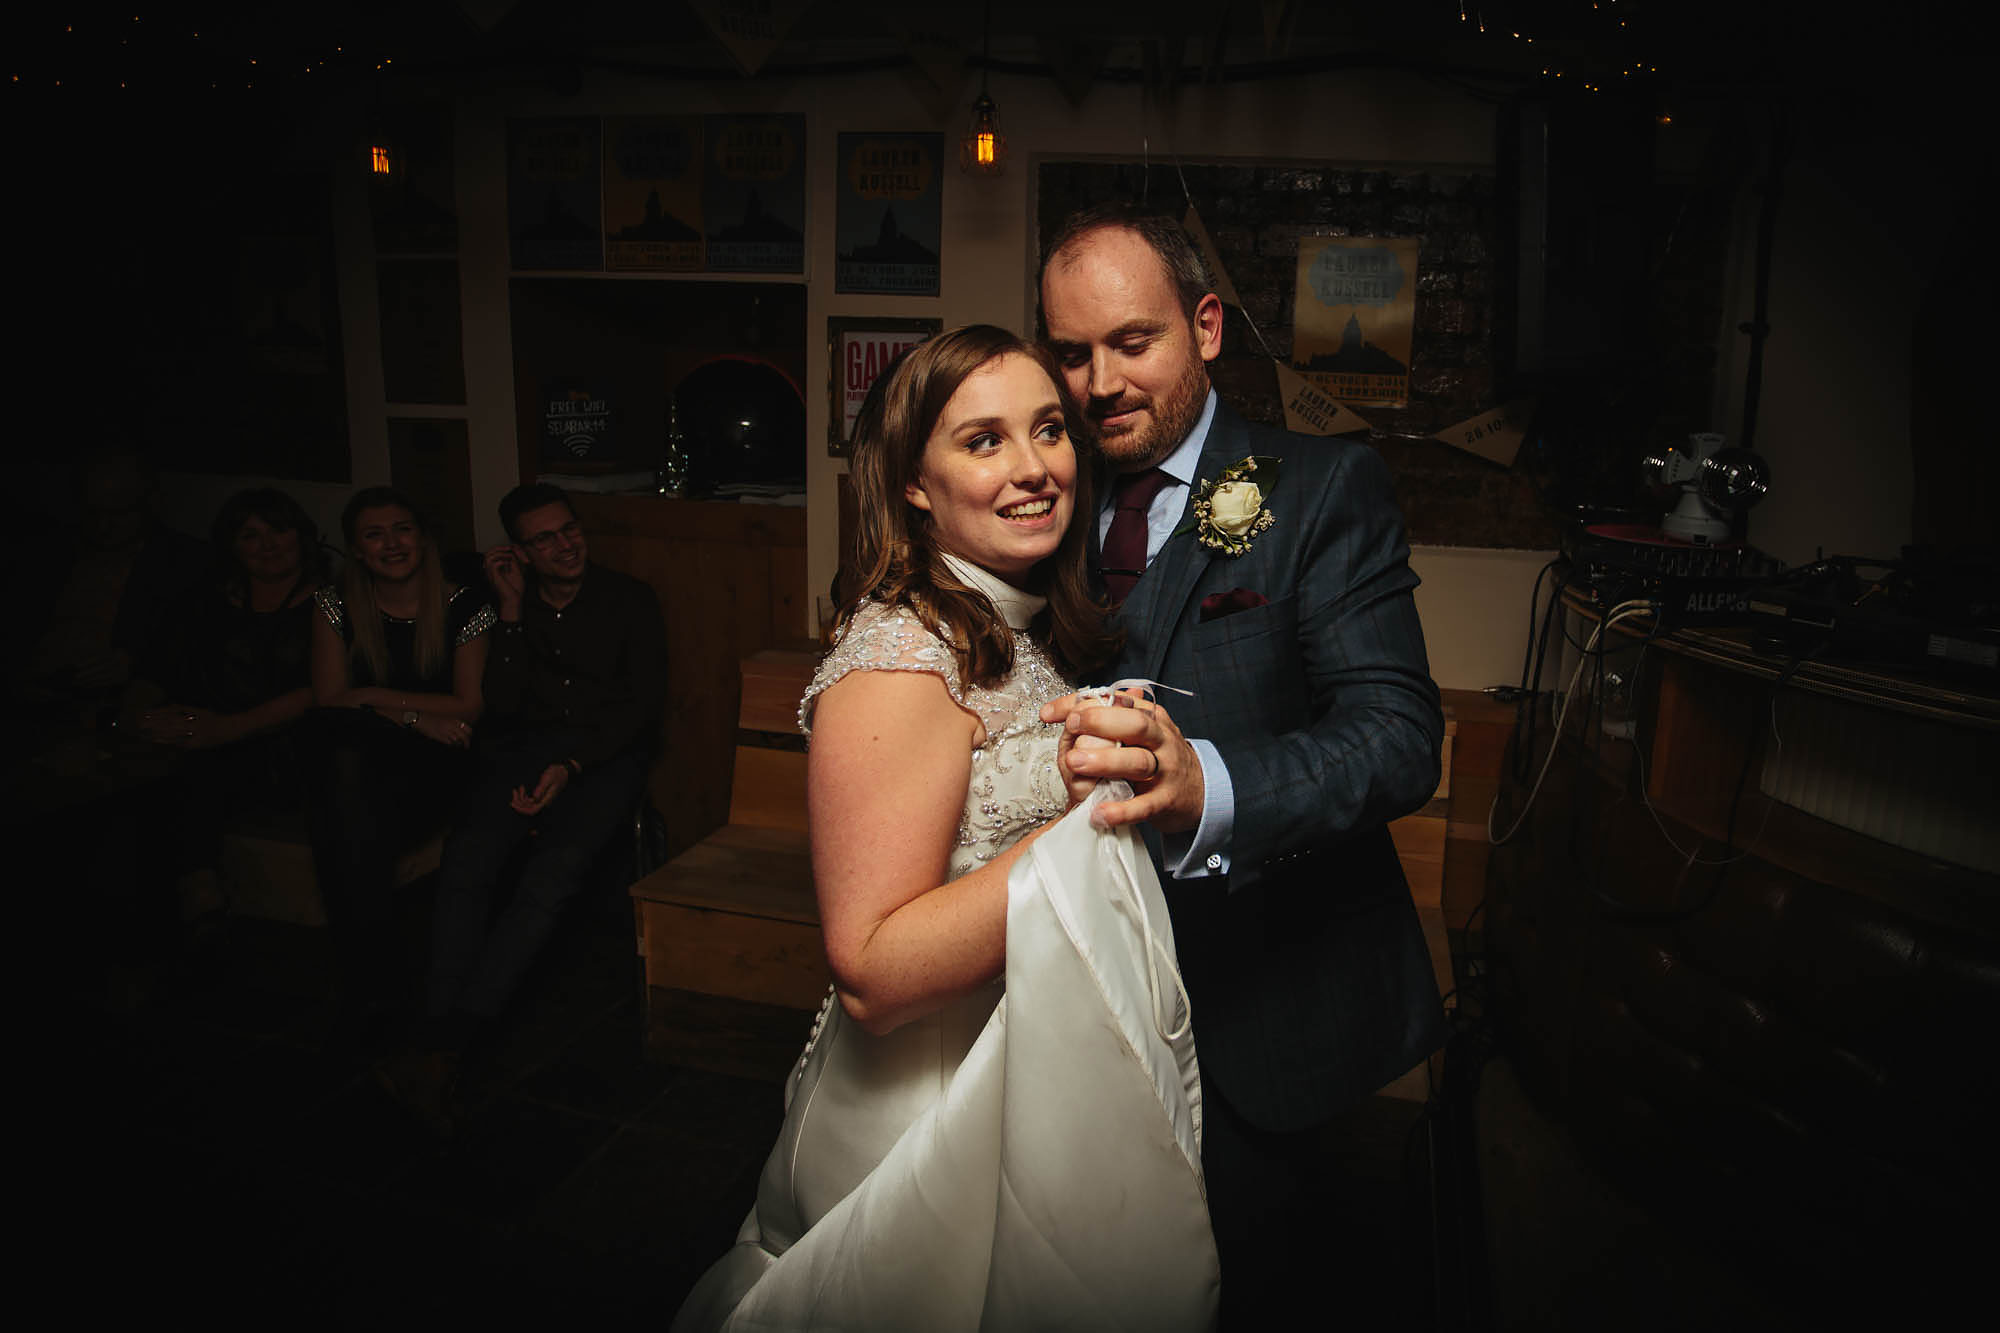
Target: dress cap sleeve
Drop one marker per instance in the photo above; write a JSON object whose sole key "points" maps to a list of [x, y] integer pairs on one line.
{"points": [[329, 604], [881, 637], [469, 616]]}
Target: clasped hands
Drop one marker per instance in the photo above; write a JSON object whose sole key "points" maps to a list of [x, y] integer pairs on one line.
{"points": [[1143, 747]]}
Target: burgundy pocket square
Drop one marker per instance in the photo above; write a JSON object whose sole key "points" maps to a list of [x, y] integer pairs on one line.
{"points": [[1219, 604]]}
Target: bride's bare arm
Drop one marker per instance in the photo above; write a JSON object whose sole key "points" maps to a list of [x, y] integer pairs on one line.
{"points": [[886, 779]]}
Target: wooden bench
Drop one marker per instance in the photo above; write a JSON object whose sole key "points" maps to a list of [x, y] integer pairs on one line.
{"points": [[734, 915], [1419, 838]]}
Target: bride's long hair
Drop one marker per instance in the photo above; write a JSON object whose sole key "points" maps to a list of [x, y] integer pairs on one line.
{"points": [[896, 557]]}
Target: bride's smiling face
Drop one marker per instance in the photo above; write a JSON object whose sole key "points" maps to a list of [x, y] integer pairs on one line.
{"points": [[998, 475]]}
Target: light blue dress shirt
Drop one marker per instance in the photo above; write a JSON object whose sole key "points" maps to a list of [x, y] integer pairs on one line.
{"points": [[1205, 852]]}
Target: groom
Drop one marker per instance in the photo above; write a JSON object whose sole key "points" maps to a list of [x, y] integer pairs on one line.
{"points": [[1314, 722]]}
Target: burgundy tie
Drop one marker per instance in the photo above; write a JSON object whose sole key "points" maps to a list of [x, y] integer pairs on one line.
{"points": [[1124, 557]]}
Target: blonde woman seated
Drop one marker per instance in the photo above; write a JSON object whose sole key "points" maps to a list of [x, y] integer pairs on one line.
{"points": [[996, 1122], [397, 657]]}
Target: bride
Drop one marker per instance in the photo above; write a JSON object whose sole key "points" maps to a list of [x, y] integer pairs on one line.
{"points": [[996, 1123]]}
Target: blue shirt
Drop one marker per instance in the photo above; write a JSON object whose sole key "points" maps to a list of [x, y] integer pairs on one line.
{"points": [[1205, 852]]}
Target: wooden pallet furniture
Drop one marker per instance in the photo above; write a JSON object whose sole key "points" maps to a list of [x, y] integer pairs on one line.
{"points": [[731, 579], [734, 915]]}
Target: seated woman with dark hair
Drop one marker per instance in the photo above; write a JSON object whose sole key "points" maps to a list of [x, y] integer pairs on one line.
{"points": [[234, 672], [397, 656], [238, 666]]}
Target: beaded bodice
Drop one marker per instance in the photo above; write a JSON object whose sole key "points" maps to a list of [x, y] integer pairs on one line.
{"points": [[1014, 786]]}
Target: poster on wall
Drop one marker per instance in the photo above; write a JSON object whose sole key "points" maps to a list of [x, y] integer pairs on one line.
{"points": [[1356, 304], [577, 426], [888, 214], [552, 193], [754, 193], [652, 193], [858, 351]]}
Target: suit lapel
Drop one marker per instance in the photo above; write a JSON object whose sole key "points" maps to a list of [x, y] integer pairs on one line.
{"points": [[1157, 598], [1160, 599]]}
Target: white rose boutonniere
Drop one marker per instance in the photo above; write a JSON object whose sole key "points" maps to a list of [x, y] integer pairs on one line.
{"points": [[1229, 511], [1234, 505]]}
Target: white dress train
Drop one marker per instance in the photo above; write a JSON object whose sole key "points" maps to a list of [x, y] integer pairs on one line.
{"points": [[1055, 1180], [1030, 1156]]}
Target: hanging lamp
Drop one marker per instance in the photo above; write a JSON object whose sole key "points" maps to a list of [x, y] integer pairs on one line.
{"points": [[983, 152]]}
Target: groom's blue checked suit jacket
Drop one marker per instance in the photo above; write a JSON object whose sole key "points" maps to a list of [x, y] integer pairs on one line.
{"points": [[1306, 967]]}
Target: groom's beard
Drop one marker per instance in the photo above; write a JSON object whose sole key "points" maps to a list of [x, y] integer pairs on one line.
{"points": [[1164, 422]]}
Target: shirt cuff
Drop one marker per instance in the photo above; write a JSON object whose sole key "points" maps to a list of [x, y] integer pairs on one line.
{"points": [[1205, 853]]}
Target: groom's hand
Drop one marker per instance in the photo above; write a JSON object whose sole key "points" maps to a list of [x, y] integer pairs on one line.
{"points": [[1145, 749]]}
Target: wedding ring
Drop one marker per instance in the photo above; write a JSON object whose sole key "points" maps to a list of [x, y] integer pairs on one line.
{"points": [[1155, 757]]}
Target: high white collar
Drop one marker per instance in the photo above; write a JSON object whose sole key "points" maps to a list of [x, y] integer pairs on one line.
{"points": [[1017, 608]]}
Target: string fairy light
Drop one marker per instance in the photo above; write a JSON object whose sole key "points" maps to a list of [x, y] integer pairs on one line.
{"points": [[159, 64]]}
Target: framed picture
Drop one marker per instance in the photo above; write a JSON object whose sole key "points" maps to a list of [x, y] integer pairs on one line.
{"points": [[888, 214], [554, 193], [858, 350], [652, 193], [753, 193]]}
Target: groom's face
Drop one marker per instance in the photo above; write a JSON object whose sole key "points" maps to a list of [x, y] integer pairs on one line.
{"points": [[1133, 356]]}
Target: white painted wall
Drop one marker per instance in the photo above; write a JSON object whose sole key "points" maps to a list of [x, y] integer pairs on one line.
{"points": [[1474, 605], [1834, 417]]}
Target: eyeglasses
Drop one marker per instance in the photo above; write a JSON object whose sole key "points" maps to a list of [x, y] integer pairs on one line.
{"points": [[546, 541]]}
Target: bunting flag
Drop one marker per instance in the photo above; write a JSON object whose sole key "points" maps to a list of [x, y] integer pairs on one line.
{"points": [[485, 13], [1309, 410], [1494, 435], [1074, 64], [936, 72], [751, 29], [1210, 256]]}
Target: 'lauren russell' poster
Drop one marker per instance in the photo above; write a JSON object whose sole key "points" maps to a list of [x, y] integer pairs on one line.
{"points": [[754, 194], [889, 215], [1356, 303], [652, 193], [553, 193]]}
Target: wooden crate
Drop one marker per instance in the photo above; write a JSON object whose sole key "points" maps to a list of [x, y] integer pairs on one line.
{"points": [[735, 915]]}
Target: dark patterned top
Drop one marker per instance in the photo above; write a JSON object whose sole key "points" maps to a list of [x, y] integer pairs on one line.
{"points": [[230, 658], [466, 617], [595, 670]]}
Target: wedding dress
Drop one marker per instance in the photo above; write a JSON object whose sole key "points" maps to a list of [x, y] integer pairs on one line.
{"points": [[1030, 1155]]}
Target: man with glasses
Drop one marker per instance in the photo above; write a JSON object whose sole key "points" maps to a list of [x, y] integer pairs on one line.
{"points": [[574, 685]]}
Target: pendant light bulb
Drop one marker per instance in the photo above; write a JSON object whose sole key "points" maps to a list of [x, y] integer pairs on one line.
{"points": [[984, 152]]}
